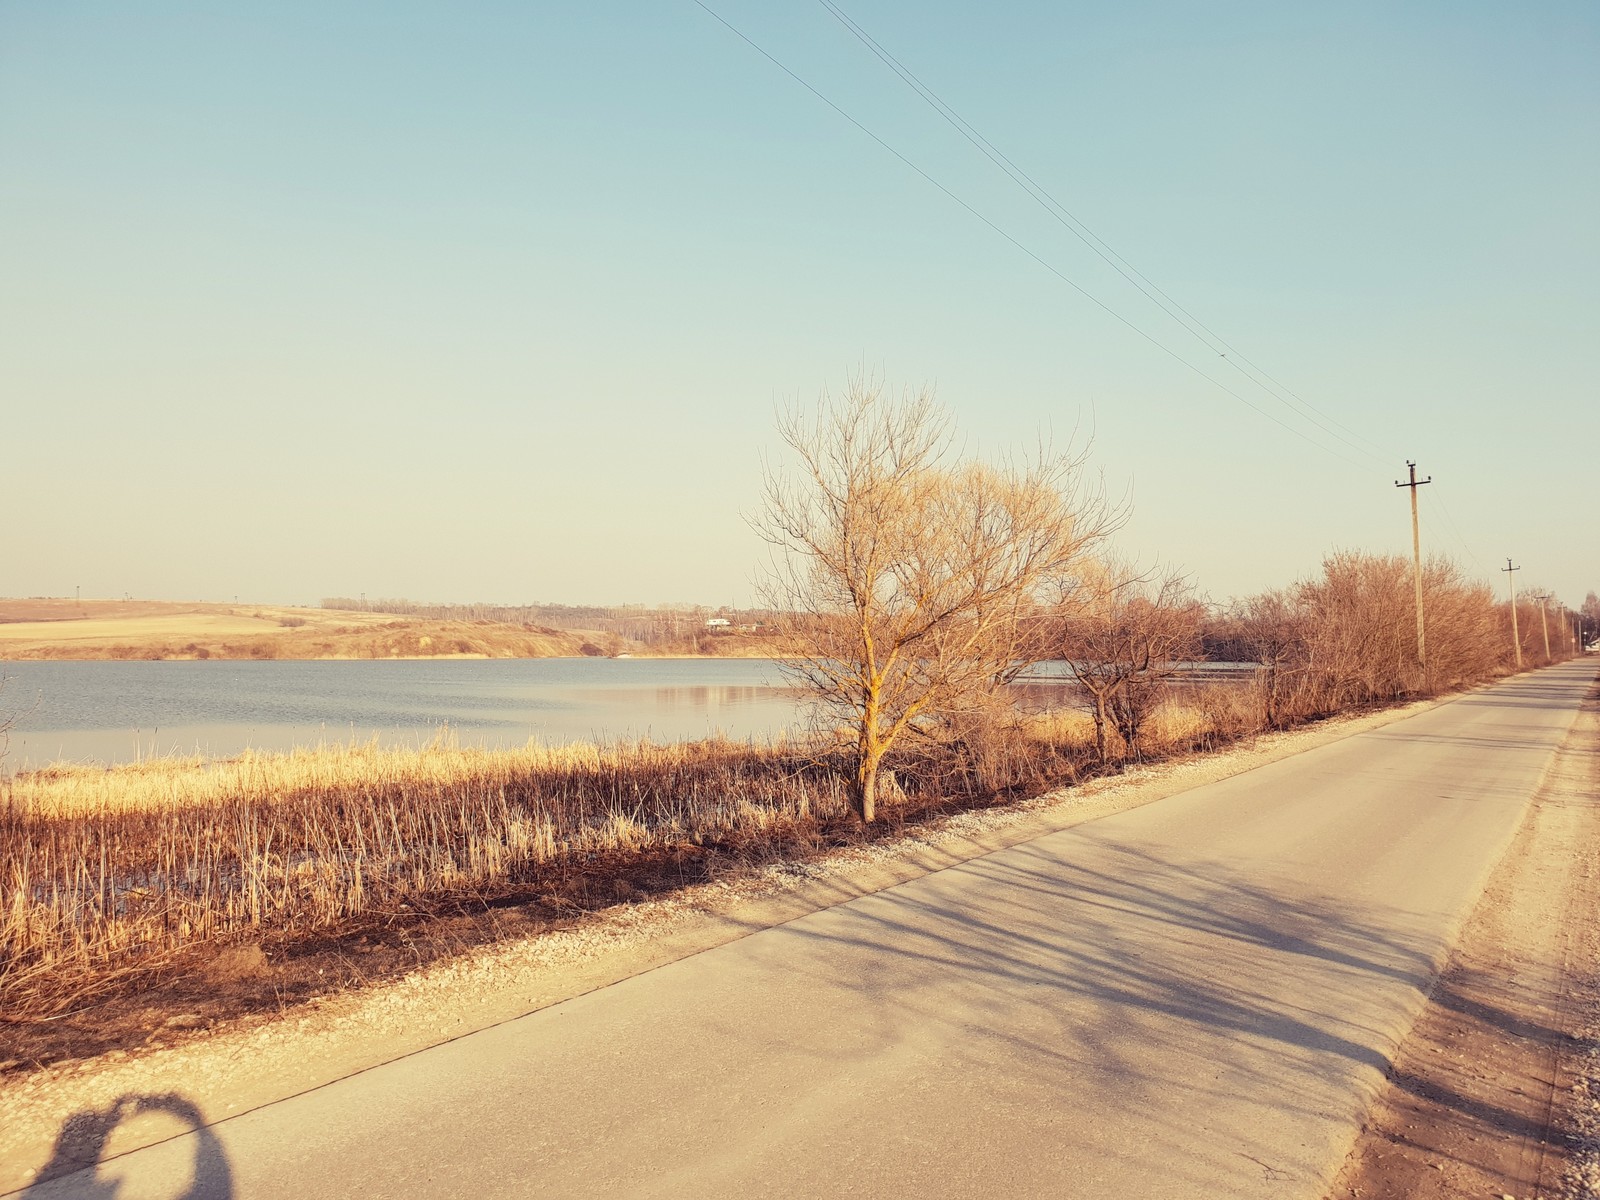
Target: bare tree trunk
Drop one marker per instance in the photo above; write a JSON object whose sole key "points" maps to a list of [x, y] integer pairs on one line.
{"points": [[869, 750], [866, 789], [864, 786]]}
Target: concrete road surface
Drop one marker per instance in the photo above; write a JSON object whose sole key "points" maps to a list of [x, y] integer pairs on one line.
{"points": [[1191, 999]]}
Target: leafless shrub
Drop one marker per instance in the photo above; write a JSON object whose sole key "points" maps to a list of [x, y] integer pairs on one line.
{"points": [[1347, 637], [1272, 630], [1464, 642], [1361, 631], [100, 869], [1123, 641]]}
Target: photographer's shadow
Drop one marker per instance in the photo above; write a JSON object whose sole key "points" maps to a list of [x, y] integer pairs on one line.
{"points": [[74, 1166]]}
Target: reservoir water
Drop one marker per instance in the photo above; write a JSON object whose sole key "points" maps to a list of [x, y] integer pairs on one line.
{"points": [[114, 712]]}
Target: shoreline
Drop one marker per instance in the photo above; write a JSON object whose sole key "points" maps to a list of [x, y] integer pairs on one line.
{"points": [[167, 631], [135, 656]]}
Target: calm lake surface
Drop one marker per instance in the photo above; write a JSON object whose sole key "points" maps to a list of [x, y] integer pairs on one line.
{"points": [[113, 712]]}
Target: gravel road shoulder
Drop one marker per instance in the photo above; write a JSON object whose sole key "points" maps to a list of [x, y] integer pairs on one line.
{"points": [[1496, 1091]]}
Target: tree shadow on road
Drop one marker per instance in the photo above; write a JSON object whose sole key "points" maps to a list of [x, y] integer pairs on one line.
{"points": [[1541, 689], [1124, 976]]}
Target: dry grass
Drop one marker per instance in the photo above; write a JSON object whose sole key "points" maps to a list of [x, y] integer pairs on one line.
{"points": [[64, 630], [1194, 718], [104, 868], [104, 872], [1203, 717], [1060, 725]]}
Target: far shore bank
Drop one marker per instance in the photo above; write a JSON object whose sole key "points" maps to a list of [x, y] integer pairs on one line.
{"points": [[56, 630]]}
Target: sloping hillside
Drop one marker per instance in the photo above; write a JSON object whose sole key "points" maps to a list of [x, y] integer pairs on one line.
{"points": [[117, 629]]}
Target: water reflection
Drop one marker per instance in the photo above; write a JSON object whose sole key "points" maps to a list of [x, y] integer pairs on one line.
{"points": [[1039, 696], [122, 711], [702, 697]]}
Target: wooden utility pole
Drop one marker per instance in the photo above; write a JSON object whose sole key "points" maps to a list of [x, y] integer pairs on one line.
{"points": [[1416, 558], [1516, 638], [1544, 623]]}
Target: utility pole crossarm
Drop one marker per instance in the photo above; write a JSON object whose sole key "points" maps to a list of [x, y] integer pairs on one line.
{"points": [[1416, 555], [1413, 482]]}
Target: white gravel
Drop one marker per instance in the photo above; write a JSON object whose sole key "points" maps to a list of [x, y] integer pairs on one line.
{"points": [[1582, 1180], [1583, 1173]]}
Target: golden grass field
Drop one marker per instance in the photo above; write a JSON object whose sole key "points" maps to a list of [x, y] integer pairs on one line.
{"points": [[157, 629], [116, 629]]}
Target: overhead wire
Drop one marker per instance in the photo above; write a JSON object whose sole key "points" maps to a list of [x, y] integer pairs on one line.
{"points": [[1444, 510], [1320, 419], [1037, 258], [1074, 225]]}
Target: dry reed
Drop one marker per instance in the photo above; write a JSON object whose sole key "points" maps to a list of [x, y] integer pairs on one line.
{"points": [[105, 866], [103, 871]]}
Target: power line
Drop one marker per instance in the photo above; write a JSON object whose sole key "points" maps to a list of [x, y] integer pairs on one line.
{"points": [[1023, 248], [1444, 510], [1074, 225], [1213, 341], [1438, 534]]}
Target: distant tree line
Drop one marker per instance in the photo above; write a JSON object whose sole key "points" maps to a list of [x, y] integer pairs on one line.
{"points": [[913, 587], [655, 627], [1347, 637], [910, 588]]}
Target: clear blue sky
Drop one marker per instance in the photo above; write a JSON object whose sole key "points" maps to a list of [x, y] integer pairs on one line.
{"points": [[495, 301]]}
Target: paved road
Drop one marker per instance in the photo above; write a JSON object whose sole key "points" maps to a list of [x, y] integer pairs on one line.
{"points": [[1191, 999]]}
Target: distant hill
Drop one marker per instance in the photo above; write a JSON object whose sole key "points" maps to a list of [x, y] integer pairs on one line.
{"points": [[157, 629]]}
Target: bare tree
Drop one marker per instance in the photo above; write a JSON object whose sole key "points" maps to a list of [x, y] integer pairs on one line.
{"points": [[1464, 638], [906, 576], [1272, 628], [1124, 642], [1359, 627], [1362, 631]]}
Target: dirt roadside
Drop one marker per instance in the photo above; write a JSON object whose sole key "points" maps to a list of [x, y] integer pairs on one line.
{"points": [[1496, 1092]]}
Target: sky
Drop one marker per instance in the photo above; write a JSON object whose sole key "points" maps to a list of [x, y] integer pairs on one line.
{"points": [[498, 302]]}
